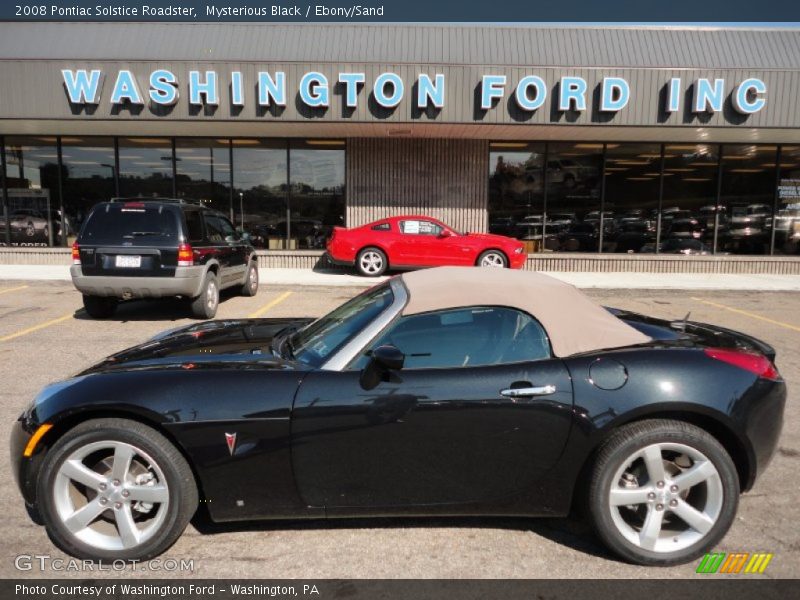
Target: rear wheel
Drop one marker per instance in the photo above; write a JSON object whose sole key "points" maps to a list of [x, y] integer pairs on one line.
{"points": [[114, 489], [99, 307], [250, 286], [371, 262], [492, 258], [662, 492], [205, 305]]}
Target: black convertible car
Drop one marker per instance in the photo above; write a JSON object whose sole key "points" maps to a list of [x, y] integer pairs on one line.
{"points": [[449, 391]]}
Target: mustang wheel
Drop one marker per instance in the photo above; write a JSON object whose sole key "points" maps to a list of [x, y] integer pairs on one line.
{"points": [[205, 305], [115, 489], [250, 287], [371, 262], [663, 492], [492, 258]]}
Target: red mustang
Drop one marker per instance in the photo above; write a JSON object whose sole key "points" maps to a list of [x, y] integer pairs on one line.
{"points": [[415, 241]]}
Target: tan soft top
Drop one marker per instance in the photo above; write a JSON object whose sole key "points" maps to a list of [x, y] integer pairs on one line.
{"points": [[574, 323]]}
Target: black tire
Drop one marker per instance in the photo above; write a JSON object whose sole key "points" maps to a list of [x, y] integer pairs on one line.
{"points": [[497, 256], [371, 262], [205, 305], [178, 476], [99, 307], [615, 452], [250, 285]]}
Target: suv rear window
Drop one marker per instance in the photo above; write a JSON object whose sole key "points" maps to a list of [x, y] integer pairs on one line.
{"points": [[131, 222]]}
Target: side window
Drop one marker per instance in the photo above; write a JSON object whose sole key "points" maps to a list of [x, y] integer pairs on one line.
{"points": [[194, 225], [420, 227], [466, 337], [382, 227], [218, 228]]}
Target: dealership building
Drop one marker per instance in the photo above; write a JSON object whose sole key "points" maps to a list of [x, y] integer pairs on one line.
{"points": [[661, 149]]}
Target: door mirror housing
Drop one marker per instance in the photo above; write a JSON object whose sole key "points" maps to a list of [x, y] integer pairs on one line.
{"points": [[383, 360], [445, 233]]}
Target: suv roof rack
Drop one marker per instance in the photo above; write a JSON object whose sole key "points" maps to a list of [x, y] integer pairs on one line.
{"points": [[155, 199]]}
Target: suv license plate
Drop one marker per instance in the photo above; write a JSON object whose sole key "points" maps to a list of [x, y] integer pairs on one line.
{"points": [[128, 261]]}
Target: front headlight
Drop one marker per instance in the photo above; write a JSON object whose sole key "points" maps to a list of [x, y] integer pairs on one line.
{"points": [[519, 250]]}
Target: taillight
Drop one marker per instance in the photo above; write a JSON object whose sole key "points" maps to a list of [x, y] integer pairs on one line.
{"points": [[76, 254], [757, 364], [185, 255]]}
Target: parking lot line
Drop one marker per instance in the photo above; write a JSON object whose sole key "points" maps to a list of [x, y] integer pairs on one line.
{"points": [[36, 327], [748, 314], [269, 305], [14, 289]]}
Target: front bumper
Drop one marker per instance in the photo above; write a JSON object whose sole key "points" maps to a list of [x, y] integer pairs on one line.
{"points": [[517, 261], [24, 469], [187, 282]]}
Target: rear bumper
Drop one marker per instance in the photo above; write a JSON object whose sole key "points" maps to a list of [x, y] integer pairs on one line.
{"points": [[187, 281], [338, 261]]}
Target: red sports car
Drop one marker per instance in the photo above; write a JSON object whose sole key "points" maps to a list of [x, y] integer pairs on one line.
{"points": [[416, 241]]}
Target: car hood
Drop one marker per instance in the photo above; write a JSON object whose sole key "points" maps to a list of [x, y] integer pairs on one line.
{"points": [[206, 344], [491, 238]]}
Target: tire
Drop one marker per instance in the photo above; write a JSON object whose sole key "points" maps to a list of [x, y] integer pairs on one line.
{"points": [[99, 307], [205, 305], [157, 469], [492, 258], [371, 262], [710, 502], [250, 285]]}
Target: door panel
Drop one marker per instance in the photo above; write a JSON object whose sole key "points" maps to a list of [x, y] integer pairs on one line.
{"points": [[429, 436]]}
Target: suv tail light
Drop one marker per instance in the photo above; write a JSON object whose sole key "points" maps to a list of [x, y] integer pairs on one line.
{"points": [[185, 255], [749, 361], [76, 254]]}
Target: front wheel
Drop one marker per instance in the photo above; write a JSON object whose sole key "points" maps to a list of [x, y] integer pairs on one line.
{"points": [[492, 258], [662, 492], [371, 262], [205, 305], [114, 489], [99, 307]]}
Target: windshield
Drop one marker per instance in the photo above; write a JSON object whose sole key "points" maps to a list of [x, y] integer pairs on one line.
{"points": [[317, 341]]}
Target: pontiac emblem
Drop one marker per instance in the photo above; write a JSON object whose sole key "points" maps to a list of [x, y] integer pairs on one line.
{"points": [[230, 439]]}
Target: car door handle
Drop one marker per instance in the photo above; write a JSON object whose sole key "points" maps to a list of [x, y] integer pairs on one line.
{"points": [[526, 392]]}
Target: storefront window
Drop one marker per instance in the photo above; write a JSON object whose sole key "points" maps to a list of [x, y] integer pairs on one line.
{"points": [[145, 167], [516, 192], [34, 202], [204, 172], [88, 177], [260, 179], [316, 168], [690, 194], [787, 218], [632, 176], [574, 173], [746, 199]]}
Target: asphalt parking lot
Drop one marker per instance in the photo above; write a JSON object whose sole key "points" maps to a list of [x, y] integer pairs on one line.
{"points": [[46, 336]]}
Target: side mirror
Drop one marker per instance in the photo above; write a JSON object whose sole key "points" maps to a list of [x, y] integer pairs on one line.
{"points": [[384, 360], [445, 233]]}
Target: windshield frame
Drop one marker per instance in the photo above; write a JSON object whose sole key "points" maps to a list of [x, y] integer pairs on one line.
{"points": [[340, 357]]}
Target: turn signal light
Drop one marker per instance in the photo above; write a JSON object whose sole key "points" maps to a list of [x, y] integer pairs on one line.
{"points": [[749, 361], [185, 255], [76, 254]]}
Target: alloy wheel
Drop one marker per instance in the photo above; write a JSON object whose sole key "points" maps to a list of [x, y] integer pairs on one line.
{"points": [[493, 259], [111, 495], [212, 295], [371, 262], [666, 497]]}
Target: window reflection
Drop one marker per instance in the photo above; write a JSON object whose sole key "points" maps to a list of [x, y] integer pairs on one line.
{"points": [[87, 177], [573, 194], [203, 172], [34, 217], [631, 197], [690, 192], [787, 219], [747, 194], [145, 167], [317, 191], [516, 192], [260, 179]]}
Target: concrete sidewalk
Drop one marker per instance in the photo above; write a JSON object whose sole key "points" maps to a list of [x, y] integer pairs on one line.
{"points": [[649, 281]]}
